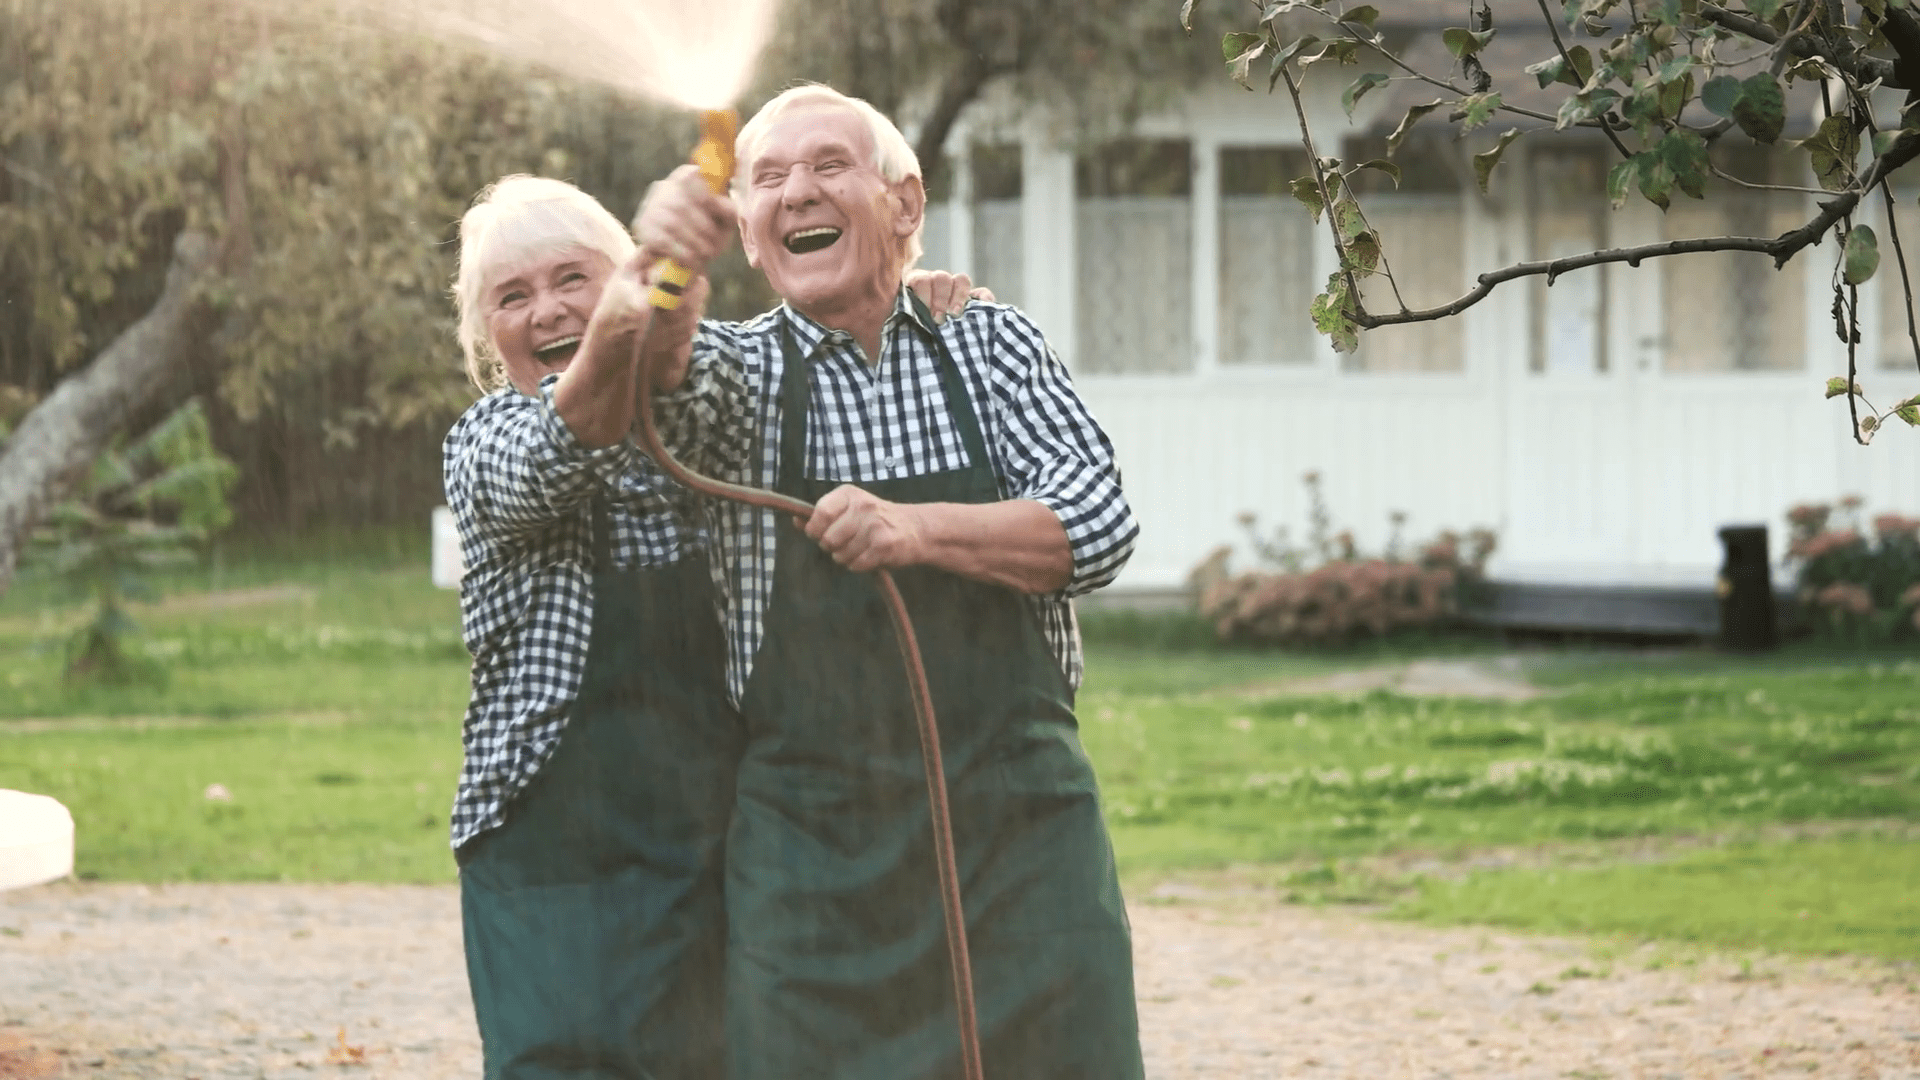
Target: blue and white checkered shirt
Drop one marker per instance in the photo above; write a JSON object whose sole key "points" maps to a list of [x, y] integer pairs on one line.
{"points": [[888, 421], [521, 490]]}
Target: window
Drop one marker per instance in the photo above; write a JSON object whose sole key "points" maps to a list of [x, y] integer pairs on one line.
{"points": [[1731, 311], [1267, 244], [999, 232], [1423, 236], [1569, 327], [1133, 226]]}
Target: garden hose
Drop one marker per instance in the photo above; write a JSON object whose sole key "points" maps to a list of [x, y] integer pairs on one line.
{"points": [[714, 155]]}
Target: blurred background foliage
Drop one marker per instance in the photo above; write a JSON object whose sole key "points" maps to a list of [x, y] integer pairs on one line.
{"points": [[334, 159]]}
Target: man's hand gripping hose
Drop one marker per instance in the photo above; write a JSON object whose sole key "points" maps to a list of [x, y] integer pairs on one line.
{"points": [[714, 155]]}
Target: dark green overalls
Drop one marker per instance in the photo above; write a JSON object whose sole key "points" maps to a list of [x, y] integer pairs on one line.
{"points": [[837, 963], [595, 925]]}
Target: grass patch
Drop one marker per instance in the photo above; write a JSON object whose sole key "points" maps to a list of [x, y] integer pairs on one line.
{"points": [[322, 688], [1849, 894]]}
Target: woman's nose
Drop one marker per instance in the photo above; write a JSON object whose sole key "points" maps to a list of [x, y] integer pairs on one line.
{"points": [[547, 308]]}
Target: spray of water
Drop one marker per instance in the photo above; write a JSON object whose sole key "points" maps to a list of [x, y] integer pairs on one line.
{"points": [[694, 53]]}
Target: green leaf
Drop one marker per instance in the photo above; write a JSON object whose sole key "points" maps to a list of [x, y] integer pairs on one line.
{"points": [[1483, 164], [1406, 124], [1833, 149], [1462, 42], [1675, 68], [1582, 64], [1675, 95], [1550, 71], [1720, 93], [1244, 61], [1232, 45], [1860, 257], [1761, 108], [1363, 253], [1883, 141], [1665, 12], [1584, 106], [1332, 315], [1656, 179], [1764, 10], [1620, 181], [1909, 413], [1365, 15], [1685, 156], [1358, 89], [1479, 109], [1382, 165], [1837, 386], [1348, 219], [1306, 190]]}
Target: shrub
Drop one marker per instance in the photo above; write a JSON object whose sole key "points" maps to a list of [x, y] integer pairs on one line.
{"points": [[1855, 583], [1329, 592]]}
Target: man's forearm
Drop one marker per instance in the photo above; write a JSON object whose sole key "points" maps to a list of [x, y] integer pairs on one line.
{"points": [[1018, 543]]}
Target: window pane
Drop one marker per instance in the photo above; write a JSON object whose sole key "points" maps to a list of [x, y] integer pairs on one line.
{"points": [[1569, 218], [1731, 311], [999, 236], [1423, 237], [1266, 259], [1133, 224]]}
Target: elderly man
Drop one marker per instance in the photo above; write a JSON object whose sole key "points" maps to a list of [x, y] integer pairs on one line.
{"points": [[958, 456]]}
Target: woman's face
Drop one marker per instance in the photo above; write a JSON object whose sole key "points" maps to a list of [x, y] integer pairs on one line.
{"points": [[537, 311]]}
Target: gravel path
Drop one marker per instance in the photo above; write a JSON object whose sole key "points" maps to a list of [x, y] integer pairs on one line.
{"points": [[286, 981]]}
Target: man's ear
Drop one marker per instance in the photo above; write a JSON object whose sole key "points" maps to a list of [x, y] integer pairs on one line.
{"points": [[747, 245], [909, 204]]}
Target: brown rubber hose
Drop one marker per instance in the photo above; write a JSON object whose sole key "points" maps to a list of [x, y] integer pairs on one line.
{"points": [[922, 711]]}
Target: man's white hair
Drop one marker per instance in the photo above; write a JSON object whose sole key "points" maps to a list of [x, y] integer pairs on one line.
{"points": [[513, 221], [892, 154]]}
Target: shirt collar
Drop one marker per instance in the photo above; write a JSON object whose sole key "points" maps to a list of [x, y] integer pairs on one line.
{"points": [[811, 337]]}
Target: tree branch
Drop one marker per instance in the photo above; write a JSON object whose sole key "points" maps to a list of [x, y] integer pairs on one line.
{"points": [[1781, 248], [60, 437], [1864, 68], [961, 86]]}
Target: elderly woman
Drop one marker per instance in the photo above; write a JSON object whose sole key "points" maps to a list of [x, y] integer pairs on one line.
{"points": [[601, 747]]}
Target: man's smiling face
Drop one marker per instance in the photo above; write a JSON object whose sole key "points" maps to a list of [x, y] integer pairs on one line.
{"points": [[820, 220]]}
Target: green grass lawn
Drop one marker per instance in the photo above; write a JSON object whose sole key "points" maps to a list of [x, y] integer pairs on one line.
{"points": [[325, 698]]}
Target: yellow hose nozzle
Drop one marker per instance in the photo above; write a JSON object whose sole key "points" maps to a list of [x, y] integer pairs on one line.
{"points": [[714, 155]]}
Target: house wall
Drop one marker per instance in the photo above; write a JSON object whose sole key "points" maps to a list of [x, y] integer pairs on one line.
{"points": [[1620, 475]]}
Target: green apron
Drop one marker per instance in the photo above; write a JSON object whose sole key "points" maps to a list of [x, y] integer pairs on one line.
{"points": [[837, 963], [595, 926]]}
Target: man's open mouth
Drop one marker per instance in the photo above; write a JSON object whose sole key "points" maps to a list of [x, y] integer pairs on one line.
{"points": [[558, 352], [806, 240]]}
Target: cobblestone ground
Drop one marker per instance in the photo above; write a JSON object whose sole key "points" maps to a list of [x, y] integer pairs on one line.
{"points": [[282, 981]]}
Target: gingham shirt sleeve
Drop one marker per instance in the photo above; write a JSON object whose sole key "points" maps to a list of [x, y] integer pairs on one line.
{"points": [[514, 467], [1052, 451], [701, 422]]}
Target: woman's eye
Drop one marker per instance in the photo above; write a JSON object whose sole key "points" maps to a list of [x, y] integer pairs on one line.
{"points": [[513, 299], [573, 277]]}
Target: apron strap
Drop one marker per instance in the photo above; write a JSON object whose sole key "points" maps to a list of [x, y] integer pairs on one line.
{"points": [[602, 538], [796, 391]]}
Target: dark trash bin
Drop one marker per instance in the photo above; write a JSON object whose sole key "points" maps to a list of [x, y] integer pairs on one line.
{"points": [[1745, 590]]}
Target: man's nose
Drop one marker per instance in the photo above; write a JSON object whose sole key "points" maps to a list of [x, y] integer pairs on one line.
{"points": [[802, 188]]}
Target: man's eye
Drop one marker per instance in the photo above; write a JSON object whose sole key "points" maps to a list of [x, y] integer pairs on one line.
{"points": [[765, 178], [831, 165]]}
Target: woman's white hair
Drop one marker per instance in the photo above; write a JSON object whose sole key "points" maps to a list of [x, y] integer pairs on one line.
{"points": [[513, 221], [892, 154]]}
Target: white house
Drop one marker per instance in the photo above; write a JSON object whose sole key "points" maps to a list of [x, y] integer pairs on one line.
{"points": [[1605, 427]]}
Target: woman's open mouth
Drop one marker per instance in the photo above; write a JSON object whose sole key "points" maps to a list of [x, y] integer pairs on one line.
{"points": [[805, 241], [558, 352]]}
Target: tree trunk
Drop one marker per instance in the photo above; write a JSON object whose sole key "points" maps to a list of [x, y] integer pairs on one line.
{"points": [[60, 438]]}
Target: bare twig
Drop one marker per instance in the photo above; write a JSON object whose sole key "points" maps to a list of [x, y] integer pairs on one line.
{"points": [[1751, 186], [1567, 59], [1853, 347], [1326, 195], [1906, 283]]}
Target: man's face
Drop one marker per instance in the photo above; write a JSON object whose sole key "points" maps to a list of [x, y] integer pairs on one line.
{"points": [[537, 311], [820, 221]]}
